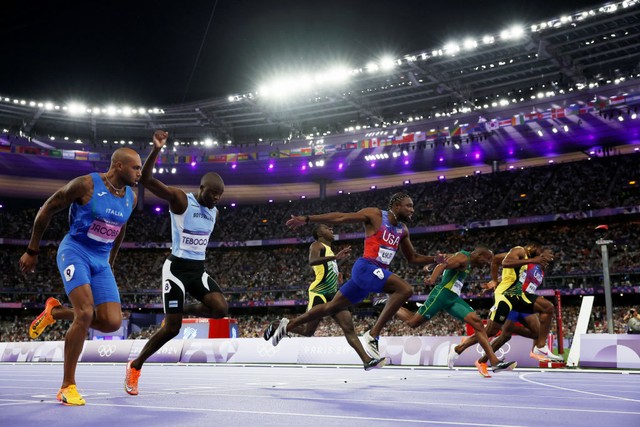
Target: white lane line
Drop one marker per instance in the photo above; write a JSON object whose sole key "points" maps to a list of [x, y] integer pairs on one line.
{"points": [[524, 378], [303, 414]]}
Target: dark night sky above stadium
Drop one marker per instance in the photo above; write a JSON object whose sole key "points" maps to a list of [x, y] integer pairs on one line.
{"points": [[144, 52]]}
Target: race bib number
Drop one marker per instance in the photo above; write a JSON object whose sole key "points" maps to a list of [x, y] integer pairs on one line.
{"points": [[68, 272], [531, 288], [457, 287], [385, 255], [101, 231], [194, 242], [523, 276]]}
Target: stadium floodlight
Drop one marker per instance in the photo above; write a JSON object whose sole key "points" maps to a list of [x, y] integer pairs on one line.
{"points": [[488, 39], [76, 108], [539, 132], [387, 63], [111, 110], [470, 44], [208, 142], [451, 48]]}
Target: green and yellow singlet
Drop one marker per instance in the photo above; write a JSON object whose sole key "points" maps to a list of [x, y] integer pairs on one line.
{"points": [[509, 285], [326, 282]]}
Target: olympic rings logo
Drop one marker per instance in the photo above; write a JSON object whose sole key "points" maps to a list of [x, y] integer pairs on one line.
{"points": [[500, 353], [106, 350]]}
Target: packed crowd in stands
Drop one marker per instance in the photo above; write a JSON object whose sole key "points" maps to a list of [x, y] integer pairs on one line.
{"points": [[603, 183], [267, 274]]}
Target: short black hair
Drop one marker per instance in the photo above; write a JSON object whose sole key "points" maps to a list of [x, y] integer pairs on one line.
{"points": [[535, 242], [396, 198], [315, 231]]}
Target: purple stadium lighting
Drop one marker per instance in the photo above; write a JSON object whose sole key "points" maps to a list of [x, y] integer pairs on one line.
{"points": [[592, 152], [441, 159], [270, 200], [193, 164], [477, 156], [340, 165], [233, 205], [440, 176], [373, 165], [270, 166], [340, 191], [406, 162], [158, 209], [512, 167], [550, 161], [636, 149], [303, 167], [373, 187], [233, 166]]}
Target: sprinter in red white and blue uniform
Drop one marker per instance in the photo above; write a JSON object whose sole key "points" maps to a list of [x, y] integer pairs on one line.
{"points": [[385, 233]]}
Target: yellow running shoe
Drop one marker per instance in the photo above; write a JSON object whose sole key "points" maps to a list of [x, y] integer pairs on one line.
{"points": [[69, 396], [44, 319], [131, 379], [483, 369]]}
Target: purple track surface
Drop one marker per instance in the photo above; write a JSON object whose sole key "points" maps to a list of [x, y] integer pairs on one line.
{"points": [[231, 395]]}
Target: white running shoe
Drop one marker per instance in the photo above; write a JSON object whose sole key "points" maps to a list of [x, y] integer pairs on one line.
{"points": [[281, 332], [452, 357], [547, 354], [372, 345]]}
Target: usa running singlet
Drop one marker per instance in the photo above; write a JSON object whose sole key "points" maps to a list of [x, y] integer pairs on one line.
{"points": [[97, 224], [381, 247], [531, 278], [454, 279], [510, 277], [190, 231], [326, 282]]}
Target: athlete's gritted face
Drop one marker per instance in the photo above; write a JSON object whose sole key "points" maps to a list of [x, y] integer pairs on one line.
{"points": [[326, 232], [127, 165], [404, 209], [211, 190], [481, 257]]}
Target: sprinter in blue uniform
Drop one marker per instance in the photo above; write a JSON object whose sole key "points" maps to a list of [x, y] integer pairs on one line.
{"points": [[193, 217], [99, 206]]}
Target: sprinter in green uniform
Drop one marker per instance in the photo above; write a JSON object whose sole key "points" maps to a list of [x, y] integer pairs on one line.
{"points": [[445, 296]]}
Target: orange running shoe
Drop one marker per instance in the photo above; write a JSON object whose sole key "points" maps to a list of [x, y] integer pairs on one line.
{"points": [[131, 379], [483, 369], [44, 320], [69, 396]]}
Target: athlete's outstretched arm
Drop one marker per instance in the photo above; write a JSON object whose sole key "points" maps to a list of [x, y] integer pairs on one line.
{"points": [[362, 216], [176, 197], [413, 257]]}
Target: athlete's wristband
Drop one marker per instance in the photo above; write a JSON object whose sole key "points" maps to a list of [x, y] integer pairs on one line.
{"points": [[31, 252]]}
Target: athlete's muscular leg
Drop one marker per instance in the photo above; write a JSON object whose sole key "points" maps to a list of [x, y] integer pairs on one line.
{"points": [[410, 318], [82, 302], [399, 292], [213, 306], [545, 308], [171, 328], [481, 335], [501, 340], [319, 311], [491, 330], [306, 330], [345, 321]]}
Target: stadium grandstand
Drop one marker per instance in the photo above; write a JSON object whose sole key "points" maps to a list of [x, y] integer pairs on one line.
{"points": [[530, 131]]}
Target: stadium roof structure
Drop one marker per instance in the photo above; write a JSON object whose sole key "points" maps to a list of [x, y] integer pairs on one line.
{"points": [[454, 100]]}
